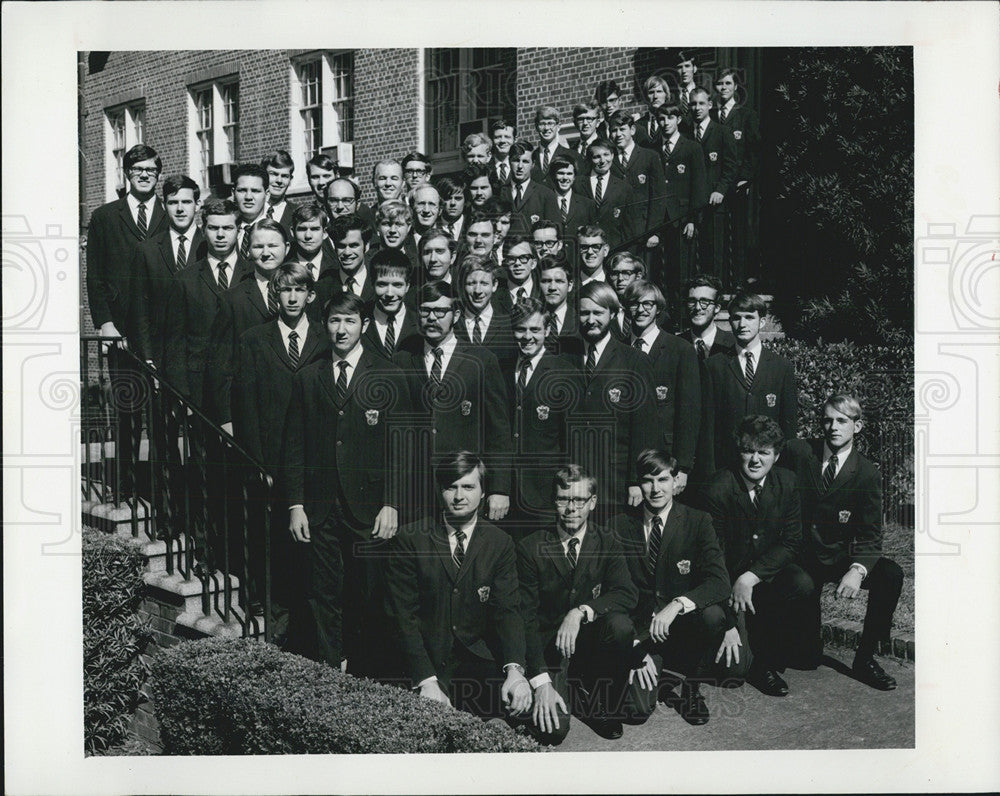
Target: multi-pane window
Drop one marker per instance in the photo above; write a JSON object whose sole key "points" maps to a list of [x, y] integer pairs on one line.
{"points": [[465, 88], [214, 125], [322, 105], [124, 129]]}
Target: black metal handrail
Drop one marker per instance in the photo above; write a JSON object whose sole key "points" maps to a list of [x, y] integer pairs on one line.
{"points": [[200, 493]]}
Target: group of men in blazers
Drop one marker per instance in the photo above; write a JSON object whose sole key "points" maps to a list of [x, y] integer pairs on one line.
{"points": [[504, 477]]}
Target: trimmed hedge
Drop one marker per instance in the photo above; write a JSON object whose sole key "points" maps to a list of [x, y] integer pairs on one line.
{"points": [[882, 379], [113, 638], [238, 696]]}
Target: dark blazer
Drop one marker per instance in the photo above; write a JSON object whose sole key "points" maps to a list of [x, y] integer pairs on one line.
{"points": [[262, 387], [327, 264], [690, 563], [549, 588], [685, 181], [742, 121], [495, 177], [582, 210], [844, 523], [346, 453], [192, 305], [241, 308], [724, 342], [436, 606], [620, 214], [774, 394], [536, 162], [469, 411], [286, 218], [113, 240], [620, 392], [502, 301], [153, 270], [330, 283], [762, 541], [407, 335], [645, 176], [539, 202], [719, 149], [541, 426], [499, 339], [642, 136], [677, 386]]}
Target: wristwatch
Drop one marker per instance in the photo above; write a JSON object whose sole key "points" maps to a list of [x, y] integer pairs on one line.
{"points": [[586, 616]]}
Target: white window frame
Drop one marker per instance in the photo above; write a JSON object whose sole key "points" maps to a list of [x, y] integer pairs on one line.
{"points": [[133, 118], [334, 100], [219, 140]]}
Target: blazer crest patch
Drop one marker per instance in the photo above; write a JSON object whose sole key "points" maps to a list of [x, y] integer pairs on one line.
{"points": [[484, 593], [661, 392], [534, 217], [371, 415], [737, 134], [614, 395], [771, 399], [543, 412], [616, 212], [596, 591], [681, 168], [642, 179], [844, 516], [466, 408], [713, 156], [684, 567]]}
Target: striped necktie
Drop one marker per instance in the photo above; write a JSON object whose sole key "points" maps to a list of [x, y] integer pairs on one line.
{"points": [[293, 347], [181, 259], [655, 536], [749, 374], [571, 551], [459, 555], [830, 473], [390, 333], [245, 244], [142, 222], [599, 189]]}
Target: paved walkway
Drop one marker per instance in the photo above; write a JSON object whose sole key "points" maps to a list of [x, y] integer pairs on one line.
{"points": [[825, 709]]}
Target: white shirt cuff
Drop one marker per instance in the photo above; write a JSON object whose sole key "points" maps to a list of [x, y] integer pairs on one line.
{"points": [[687, 604], [296, 506], [588, 611], [426, 680], [861, 568], [539, 679]]}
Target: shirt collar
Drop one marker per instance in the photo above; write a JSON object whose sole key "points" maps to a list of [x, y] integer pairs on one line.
{"points": [[382, 317], [842, 454], [647, 517], [649, 334], [672, 141], [353, 357], [447, 345], [748, 485], [754, 348], [230, 260], [486, 316], [174, 235], [599, 347], [359, 276], [533, 361], [565, 537], [301, 327], [133, 202], [708, 336], [467, 530], [629, 149], [528, 286]]}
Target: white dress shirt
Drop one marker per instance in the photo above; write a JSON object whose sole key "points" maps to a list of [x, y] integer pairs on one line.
{"points": [[302, 328], [528, 286], [484, 321], [707, 336], [560, 316], [599, 347], [447, 347], [175, 240], [230, 261], [649, 335], [352, 358], [755, 348], [359, 276], [382, 322], [647, 528], [133, 206], [532, 366]]}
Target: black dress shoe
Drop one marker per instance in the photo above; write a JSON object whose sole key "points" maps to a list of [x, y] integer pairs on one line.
{"points": [[870, 673], [607, 728], [693, 708], [769, 682]]}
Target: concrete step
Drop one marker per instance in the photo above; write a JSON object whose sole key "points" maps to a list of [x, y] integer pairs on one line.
{"points": [[187, 592]]}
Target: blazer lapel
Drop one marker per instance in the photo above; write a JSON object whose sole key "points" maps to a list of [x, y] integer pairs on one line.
{"points": [[167, 254], [157, 216], [209, 278], [554, 550], [734, 365], [359, 373], [326, 379], [278, 345], [442, 547], [125, 212], [847, 470], [471, 551], [313, 341]]}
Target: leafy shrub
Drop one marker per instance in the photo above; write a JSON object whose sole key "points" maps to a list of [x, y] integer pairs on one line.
{"points": [[882, 379], [113, 638], [235, 696]]}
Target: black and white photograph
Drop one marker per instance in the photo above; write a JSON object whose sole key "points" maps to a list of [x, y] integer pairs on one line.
{"points": [[430, 397]]}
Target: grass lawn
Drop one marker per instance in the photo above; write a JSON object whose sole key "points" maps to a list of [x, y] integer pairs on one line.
{"points": [[897, 544]]}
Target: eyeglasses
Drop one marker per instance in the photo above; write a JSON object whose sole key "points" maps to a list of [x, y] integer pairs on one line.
{"points": [[586, 118], [546, 244], [593, 247], [702, 303], [437, 312], [414, 172], [623, 274], [547, 123], [648, 306], [520, 259], [575, 502], [342, 200], [137, 170]]}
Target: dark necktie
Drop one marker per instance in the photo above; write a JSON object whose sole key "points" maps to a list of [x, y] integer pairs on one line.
{"points": [[722, 113], [830, 473], [521, 294], [702, 349], [522, 376], [518, 194], [272, 298], [655, 535], [599, 190], [653, 128], [390, 333], [343, 365], [503, 172], [270, 212], [750, 370], [223, 279], [181, 260], [349, 284], [545, 160], [436, 366], [755, 496], [591, 362], [459, 555], [638, 343], [670, 147], [293, 347], [684, 98], [571, 551], [477, 331], [622, 161], [564, 208], [142, 223], [245, 245]]}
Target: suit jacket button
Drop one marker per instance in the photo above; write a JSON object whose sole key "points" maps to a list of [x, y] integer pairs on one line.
{"points": [[434, 431], [516, 435], [341, 413], [340, 442], [755, 536], [454, 591]]}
